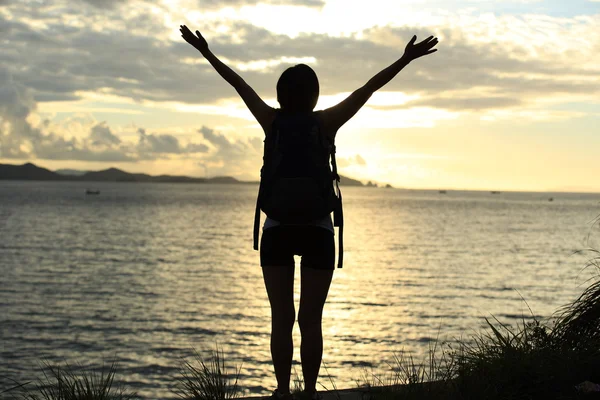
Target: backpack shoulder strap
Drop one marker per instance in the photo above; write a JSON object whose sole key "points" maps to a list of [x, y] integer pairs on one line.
{"points": [[256, 225], [268, 145], [338, 213]]}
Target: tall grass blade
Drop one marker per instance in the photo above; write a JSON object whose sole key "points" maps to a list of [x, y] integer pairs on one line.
{"points": [[207, 380]]}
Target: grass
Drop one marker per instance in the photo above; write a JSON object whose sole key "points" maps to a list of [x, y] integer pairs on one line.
{"points": [[298, 385], [71, 383], [533, 360], [407, 379], [207, 379]]}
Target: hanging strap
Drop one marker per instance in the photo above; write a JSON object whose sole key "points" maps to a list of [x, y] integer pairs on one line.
{"points": [[260, 187], [256, 224], [338, 213], [340, 224], [257, 211]]}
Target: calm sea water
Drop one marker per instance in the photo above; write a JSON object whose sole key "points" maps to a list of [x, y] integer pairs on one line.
{"points": [[145, 273]]}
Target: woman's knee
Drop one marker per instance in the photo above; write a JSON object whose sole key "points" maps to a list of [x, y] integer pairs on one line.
{"points": [[283, 319], [309, 322]]}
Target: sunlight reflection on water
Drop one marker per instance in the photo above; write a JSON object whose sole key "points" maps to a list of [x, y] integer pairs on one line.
{"points": [[145, 273]]}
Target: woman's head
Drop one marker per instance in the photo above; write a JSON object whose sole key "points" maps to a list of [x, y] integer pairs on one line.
{"points": [[298, 88]]}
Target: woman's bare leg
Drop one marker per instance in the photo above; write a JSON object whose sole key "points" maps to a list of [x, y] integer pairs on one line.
{"points": [[313, 293], [279, 282]]}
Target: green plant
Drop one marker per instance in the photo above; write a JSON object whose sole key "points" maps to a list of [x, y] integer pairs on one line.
{"points": [[68, 383], [334, 387], [207, 380], [432, 379], [298, 382]]}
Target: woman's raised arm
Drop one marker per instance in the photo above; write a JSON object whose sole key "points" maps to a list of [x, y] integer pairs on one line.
{"points": [[261, 111], [339, 114]]}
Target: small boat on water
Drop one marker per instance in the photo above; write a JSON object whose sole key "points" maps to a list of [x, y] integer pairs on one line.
{"points": [[551, 199], [495, 192], [442, 192], [90, 191]]}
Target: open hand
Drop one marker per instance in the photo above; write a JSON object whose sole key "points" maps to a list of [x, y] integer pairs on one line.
{"points": [[195, 40], [414, 51]]}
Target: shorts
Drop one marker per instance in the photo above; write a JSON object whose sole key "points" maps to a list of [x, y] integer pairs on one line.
{"points": [[316, 245]]}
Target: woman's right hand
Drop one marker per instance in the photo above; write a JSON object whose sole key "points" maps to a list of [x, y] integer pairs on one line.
{"points": [[195, 40], [414, 51]]}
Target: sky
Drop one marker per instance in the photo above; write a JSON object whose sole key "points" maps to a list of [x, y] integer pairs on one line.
{"points": [[510, 101]]}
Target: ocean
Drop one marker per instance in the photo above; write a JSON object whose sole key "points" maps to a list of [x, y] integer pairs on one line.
{"points": [[146, 274]]}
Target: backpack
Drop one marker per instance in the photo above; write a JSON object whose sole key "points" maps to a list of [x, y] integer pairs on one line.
{"points": [[297, 182]]}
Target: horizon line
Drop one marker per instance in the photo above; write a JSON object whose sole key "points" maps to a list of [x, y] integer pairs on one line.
{"points": [[378, 184]]}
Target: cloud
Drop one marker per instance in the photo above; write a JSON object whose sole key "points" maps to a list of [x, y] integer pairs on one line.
{"points": [[232, 157], [101, 135], [54, 147], [158, 143], [217, 140], [239, 148], [104, 3], [357, 160], [203, 4], [21, 138], [238, 3], [56, 51], [16, 103], [129, 53], [151, 145], [196, 148], [457, 101]]}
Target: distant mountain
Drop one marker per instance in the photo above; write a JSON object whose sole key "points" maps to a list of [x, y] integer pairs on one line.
{"points": [[30, 171], [70, 172], [117, 175], [114, 175], [345, 181]]}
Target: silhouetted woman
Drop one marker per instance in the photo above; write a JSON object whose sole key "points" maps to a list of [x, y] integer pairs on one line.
{"points": [[297, 91]]}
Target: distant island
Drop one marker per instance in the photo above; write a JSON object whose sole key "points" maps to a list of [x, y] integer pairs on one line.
{"points": [[32, 172]]}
